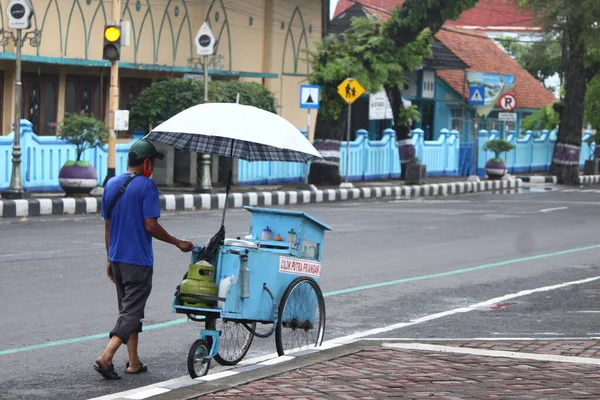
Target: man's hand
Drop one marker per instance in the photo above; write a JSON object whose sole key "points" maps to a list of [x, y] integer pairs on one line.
{"points": [[109, 273], [185, 246]]}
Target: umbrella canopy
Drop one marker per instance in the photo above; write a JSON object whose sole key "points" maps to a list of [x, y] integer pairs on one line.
{"points": [[237, 131]]}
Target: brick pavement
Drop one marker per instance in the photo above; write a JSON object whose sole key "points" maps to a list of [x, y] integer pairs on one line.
{"points": [[375, 372]]}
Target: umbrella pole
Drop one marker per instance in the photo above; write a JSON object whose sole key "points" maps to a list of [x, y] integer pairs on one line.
{"points": [[229, 179]]}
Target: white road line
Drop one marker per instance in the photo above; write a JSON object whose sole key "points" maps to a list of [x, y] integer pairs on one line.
{"points": [[359, 335], [147, 393], [545, 210], [493, 353], [484, 339]]}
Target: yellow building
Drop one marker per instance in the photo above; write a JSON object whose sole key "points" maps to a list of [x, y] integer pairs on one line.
{"points": [[257, 40]]}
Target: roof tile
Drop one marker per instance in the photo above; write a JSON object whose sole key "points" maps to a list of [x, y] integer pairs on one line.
{"points": [[483, 55]]}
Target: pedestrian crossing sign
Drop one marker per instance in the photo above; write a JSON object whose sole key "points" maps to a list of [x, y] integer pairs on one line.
{"points": [[477, 95], [350, 90], [310, 96]]}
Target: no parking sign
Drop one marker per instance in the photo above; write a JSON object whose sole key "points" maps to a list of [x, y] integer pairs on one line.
{"points": [[507, 102]]}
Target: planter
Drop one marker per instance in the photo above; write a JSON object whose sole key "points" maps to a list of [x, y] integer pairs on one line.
{"points": [[591, 167], [78, 178], [326, 171], [495, 169], [415, 174]]}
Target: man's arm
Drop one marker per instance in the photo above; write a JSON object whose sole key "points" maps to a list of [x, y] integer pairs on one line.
{"points": [[109, 272], [158, 232], [107, 235]]}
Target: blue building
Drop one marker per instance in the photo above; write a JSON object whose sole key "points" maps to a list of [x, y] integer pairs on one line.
{"points": [[440, 89]]}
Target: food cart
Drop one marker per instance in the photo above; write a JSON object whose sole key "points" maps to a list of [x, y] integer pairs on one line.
{"points": [[271, 276]]}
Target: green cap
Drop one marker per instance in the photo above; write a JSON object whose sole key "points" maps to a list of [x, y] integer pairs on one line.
{"points": [[143, 149]]}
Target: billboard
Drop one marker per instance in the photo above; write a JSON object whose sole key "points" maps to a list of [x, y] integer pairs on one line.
{"points": [[495, 85]]}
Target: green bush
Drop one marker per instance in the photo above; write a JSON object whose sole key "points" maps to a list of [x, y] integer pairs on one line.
{"points": [[83, 131], [164, 99], [498, 146]]}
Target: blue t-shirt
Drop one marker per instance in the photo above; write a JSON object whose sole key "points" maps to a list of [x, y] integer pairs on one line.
{"points": [[129, 242]]}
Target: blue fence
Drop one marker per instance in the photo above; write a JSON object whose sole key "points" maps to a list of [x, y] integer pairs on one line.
{"points": [[44, 156], [532, 153], [368, 160]]}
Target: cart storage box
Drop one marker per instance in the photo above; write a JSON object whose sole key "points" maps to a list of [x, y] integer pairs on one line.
{"points": [[309, 231]]}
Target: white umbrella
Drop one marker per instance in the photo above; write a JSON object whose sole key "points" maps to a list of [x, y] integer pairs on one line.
{"points": [[236, 131]]}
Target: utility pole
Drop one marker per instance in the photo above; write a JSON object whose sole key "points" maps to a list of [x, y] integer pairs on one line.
{"points": [[113, 95], [19, 14], [205, 47]]}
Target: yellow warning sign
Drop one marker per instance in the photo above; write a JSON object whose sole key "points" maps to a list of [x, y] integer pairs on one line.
{"points": [[350, 90]]}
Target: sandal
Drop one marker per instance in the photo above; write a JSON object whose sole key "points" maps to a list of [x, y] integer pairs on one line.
{"points": [[143, 368], [108, 373]]}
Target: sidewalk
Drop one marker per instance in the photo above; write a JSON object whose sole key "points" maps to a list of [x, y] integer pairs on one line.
{"points": [[183, 199], [516, 369]]}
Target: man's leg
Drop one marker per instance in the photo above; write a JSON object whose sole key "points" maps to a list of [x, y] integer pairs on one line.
{"points": [[137, 287], [132, 349], [105, 360]]}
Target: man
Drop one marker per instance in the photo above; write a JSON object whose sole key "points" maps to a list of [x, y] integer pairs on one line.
{"points": [[131, 208]]}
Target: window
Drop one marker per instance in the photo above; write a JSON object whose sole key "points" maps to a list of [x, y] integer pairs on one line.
{"points": [[427, 119], [456, 118], [84, 94], [130, 88], [40, 98]]}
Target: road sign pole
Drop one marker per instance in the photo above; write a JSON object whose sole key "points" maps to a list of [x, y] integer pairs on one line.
{"points": [[348, 142], [308, 137]]}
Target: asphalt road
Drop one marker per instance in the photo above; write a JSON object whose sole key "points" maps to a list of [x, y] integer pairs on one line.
{"points": [[386, 262]]}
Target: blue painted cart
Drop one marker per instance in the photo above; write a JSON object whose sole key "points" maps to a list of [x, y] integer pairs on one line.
{"points": [[260, 281]]}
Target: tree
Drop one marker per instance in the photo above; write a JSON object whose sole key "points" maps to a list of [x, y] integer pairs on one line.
{"points": [[83, 131], [379, 54], [578, 23], [363, 53], [542, 59], [163, 99], [592, 103]]}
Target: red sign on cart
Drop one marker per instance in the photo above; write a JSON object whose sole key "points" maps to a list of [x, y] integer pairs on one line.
{"points": [[299, 267]]}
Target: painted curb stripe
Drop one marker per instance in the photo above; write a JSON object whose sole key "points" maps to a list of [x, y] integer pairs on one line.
{"points": [[188, 202]]}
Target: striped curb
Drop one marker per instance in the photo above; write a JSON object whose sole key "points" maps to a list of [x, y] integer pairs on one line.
{"points": [[589, 179], [192, 202], [583, 179], [538, 179]]}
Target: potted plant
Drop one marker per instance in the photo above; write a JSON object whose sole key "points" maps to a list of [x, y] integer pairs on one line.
{"points": [[415, 172], [78, 177], [495, 168], [592, 165]]}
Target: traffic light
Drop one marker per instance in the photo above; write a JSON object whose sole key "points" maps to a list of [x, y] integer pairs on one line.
{"points": [[112, 43]]}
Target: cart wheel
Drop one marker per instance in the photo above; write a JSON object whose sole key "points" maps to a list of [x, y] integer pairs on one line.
{"points": [[301, 316], [234, 342], [198, 363]]}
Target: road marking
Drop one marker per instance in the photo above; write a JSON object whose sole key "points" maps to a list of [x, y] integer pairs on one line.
{"points": [[482, 339], [360, 335], [461, 271], [545, 210], [328, 294], [493, 353]]}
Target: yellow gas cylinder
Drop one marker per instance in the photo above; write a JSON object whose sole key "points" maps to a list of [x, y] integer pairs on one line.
{"points": [[199, 289]]}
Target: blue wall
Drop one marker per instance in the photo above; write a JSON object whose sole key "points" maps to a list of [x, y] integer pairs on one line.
{"points": [[44, 156]]}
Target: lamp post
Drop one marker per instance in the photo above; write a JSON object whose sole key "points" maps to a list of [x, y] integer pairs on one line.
{"points": [[19, 13], [205, 47]]}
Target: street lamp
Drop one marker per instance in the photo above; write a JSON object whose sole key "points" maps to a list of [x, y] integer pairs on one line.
{"points": [[205, 47], [19, 17]]}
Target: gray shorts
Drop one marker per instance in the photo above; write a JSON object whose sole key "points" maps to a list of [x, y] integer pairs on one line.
{"points": [[134, 284]]}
